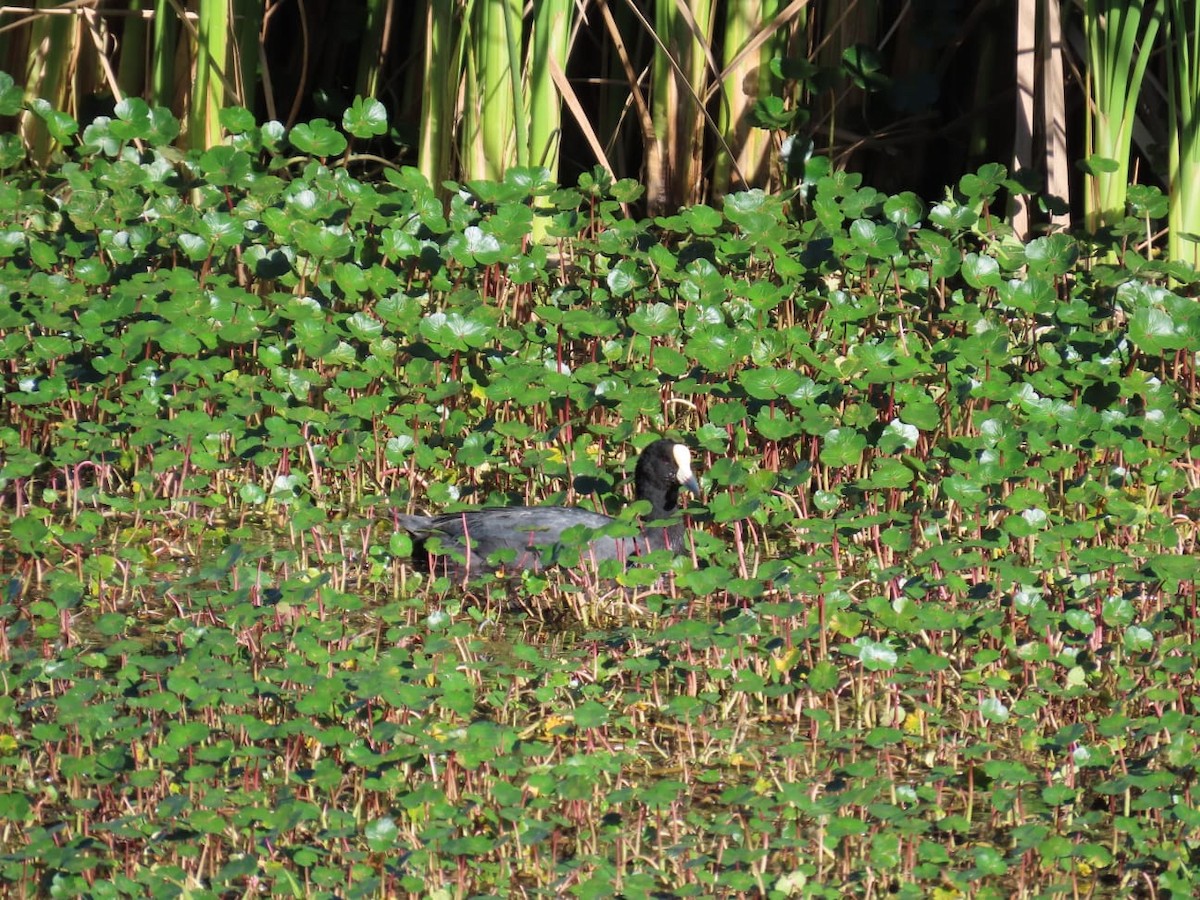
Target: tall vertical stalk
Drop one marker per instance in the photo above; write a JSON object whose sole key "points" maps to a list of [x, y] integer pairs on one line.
{"points": [[1054, 116], [444, 38], [547, 57], [549, 40], [683, 62], [493, 132], [1183, 91], [1026, 58], [208, 94], [746, 78], [131, 70], [48, 74], [1120, 34], [247, 25], [162, 57], [664, 105], [1039, 65]]}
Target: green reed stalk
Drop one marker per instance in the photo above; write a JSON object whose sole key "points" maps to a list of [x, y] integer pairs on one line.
{"points": [[162, 55], [131, 69], [683, 61], [511, 15], [551, 35], [547, 56], [662, 105], [208, 95], [493, 133], [1183, 90], [746, 78], [52, 43], [247, 22], [444, 38], [1120, 35]]}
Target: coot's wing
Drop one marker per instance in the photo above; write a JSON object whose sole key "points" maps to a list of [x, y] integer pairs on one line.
{"points": [[530, 532], [535, 535]]}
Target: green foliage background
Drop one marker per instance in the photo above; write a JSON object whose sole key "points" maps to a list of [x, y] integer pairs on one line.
{"points": [[936, 631]]}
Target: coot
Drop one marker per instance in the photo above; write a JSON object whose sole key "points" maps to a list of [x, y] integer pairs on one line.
{"points": [[536, 533]]}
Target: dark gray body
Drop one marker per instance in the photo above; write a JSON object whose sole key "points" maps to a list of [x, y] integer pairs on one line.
{"points": [[535, 535]]}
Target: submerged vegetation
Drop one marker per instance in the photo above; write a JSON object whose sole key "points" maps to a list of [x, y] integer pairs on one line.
{"points": [[935, 634]]}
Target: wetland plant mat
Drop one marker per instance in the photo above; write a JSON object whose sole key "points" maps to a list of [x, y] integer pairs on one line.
{"points": [[935, 634]]}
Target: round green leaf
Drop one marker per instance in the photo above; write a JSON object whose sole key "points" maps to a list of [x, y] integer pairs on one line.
{"points": [[365, 118], [318, 138]]}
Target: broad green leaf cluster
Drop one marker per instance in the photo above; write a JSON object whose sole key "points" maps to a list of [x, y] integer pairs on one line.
{"points": [[935, 629]]}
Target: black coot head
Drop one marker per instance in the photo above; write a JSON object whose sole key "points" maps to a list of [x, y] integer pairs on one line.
{"points": [[663, 468]]}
